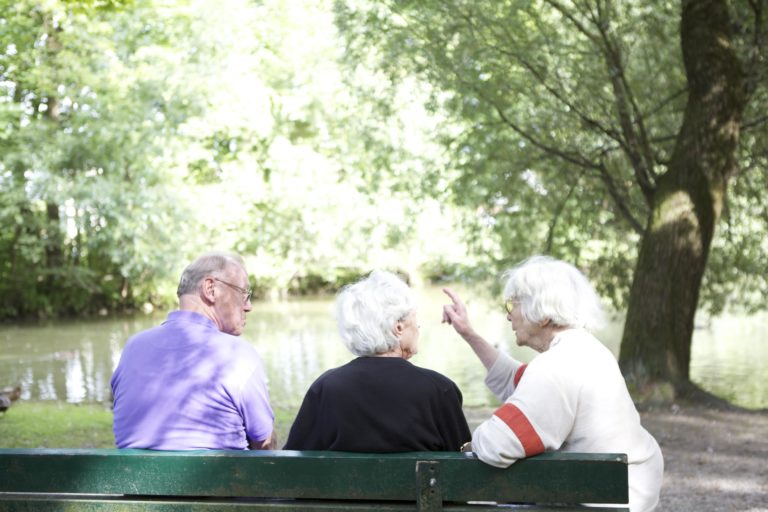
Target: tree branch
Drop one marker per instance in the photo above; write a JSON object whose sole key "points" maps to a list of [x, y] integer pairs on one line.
{"points": [[556, 217], [754, 69], [558, 95], [636, 143], [576, 23], [575, 159], [754, 123], [638, 147], [618, 199], [551, 149], [663, 103]]}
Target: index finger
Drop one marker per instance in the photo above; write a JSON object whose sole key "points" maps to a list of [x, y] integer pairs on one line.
{"points": [[455, 298]]}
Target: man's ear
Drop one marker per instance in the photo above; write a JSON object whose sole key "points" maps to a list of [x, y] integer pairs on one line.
{"points": [[207, 289]]}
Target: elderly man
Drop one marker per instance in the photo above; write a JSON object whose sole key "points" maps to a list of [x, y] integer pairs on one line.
{"points": [[191, 383]]}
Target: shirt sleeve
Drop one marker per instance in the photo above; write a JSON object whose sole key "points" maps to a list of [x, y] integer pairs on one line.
{"points": [[504, 375], [453, 424], [304, 432], [258, 417], [537, 417]]}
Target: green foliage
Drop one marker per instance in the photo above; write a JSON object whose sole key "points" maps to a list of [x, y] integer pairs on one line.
{"points": [[138, 134], [736, 277], [86, 114], [442, 271], [314, 283], [307, 184], [559, 118]]}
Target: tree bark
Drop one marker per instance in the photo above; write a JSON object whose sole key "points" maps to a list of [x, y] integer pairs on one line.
{"points": [[54, 237], [688, 201]]}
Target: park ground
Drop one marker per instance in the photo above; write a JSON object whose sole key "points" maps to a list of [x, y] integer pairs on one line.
{"points": [[714, 457]]}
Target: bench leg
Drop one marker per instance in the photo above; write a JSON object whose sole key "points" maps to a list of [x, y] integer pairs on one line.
{"points": [[429, 497]]}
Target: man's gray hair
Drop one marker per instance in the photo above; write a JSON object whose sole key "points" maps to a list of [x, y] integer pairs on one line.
{"points": [[367, 311], [210, 263], [550, 289]]}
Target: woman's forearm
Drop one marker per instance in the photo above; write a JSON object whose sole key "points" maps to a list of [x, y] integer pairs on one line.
{"points": [[486, 352]]}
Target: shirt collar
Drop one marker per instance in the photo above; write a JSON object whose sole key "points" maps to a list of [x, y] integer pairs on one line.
{"points": [[186, 316]]}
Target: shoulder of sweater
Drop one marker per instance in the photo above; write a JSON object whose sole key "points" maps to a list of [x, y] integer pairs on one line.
{"points": [[402, 365]]}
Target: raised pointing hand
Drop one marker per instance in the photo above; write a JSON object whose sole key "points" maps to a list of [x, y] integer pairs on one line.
{"points": [[455, 314]]}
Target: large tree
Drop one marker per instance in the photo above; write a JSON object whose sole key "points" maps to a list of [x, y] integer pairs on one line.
{"points": [[604, 132], [687, 200]]}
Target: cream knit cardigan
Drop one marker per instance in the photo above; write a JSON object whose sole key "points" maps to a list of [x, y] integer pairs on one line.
{"points": [[571, 398]]}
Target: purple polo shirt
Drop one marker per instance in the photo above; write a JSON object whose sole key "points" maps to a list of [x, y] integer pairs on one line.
{"points": [[187, 386]]}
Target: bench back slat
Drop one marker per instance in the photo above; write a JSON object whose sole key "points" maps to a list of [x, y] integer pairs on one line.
{"points": [[550, 477]]}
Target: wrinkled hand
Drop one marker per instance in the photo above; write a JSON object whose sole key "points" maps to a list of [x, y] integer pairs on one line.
{"points": [[455, 314]]}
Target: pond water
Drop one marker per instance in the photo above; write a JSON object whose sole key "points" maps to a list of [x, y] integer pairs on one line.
{"points": [[72, 361]]}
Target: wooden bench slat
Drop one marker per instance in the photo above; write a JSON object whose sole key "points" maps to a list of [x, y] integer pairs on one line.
{"points": [[547, 478], [102, 505], [26, 504]]}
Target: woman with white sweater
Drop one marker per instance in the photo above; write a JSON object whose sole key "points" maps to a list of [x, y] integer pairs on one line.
{"points": [[572, 396]]}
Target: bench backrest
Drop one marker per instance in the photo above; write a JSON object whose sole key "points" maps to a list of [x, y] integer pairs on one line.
{"points": [[429, 478]]}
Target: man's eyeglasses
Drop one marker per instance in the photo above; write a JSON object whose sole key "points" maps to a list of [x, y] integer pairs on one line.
{"points": [[247, 292], [509, 305]]}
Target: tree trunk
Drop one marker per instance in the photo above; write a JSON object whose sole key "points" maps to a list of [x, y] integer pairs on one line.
{"points": [[656, 346], [54, 254], [54, 244]]}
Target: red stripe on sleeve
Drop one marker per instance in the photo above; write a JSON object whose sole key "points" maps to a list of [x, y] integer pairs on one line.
{"points": [[519, 374], [516, 420]]}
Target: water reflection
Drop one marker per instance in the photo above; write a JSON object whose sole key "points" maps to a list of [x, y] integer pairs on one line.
{"points": [[730, 359], [73, 361], [75, 379]]}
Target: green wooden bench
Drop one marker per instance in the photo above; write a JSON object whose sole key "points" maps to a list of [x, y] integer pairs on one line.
{"points": [[115, 480]]}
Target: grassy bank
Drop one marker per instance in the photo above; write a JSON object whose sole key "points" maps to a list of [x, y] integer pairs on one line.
{"points": [[62, 425], [56, 425]]}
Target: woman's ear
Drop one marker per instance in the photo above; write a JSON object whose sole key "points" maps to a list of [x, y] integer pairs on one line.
{"points": [[399, 328]]}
